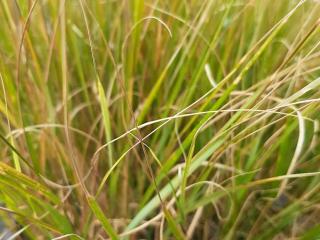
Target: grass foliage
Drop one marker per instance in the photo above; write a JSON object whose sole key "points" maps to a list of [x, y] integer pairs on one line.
{"points": [[160, 119]]}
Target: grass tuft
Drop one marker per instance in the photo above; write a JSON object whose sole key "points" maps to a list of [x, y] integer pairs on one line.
{"points": [[159, 119]]}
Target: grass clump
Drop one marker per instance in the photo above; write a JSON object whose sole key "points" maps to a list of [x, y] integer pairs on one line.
{"points": [[160, 119]]}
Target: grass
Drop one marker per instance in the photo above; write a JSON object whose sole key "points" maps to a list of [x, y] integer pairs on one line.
{"points": [[160, 119]]}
